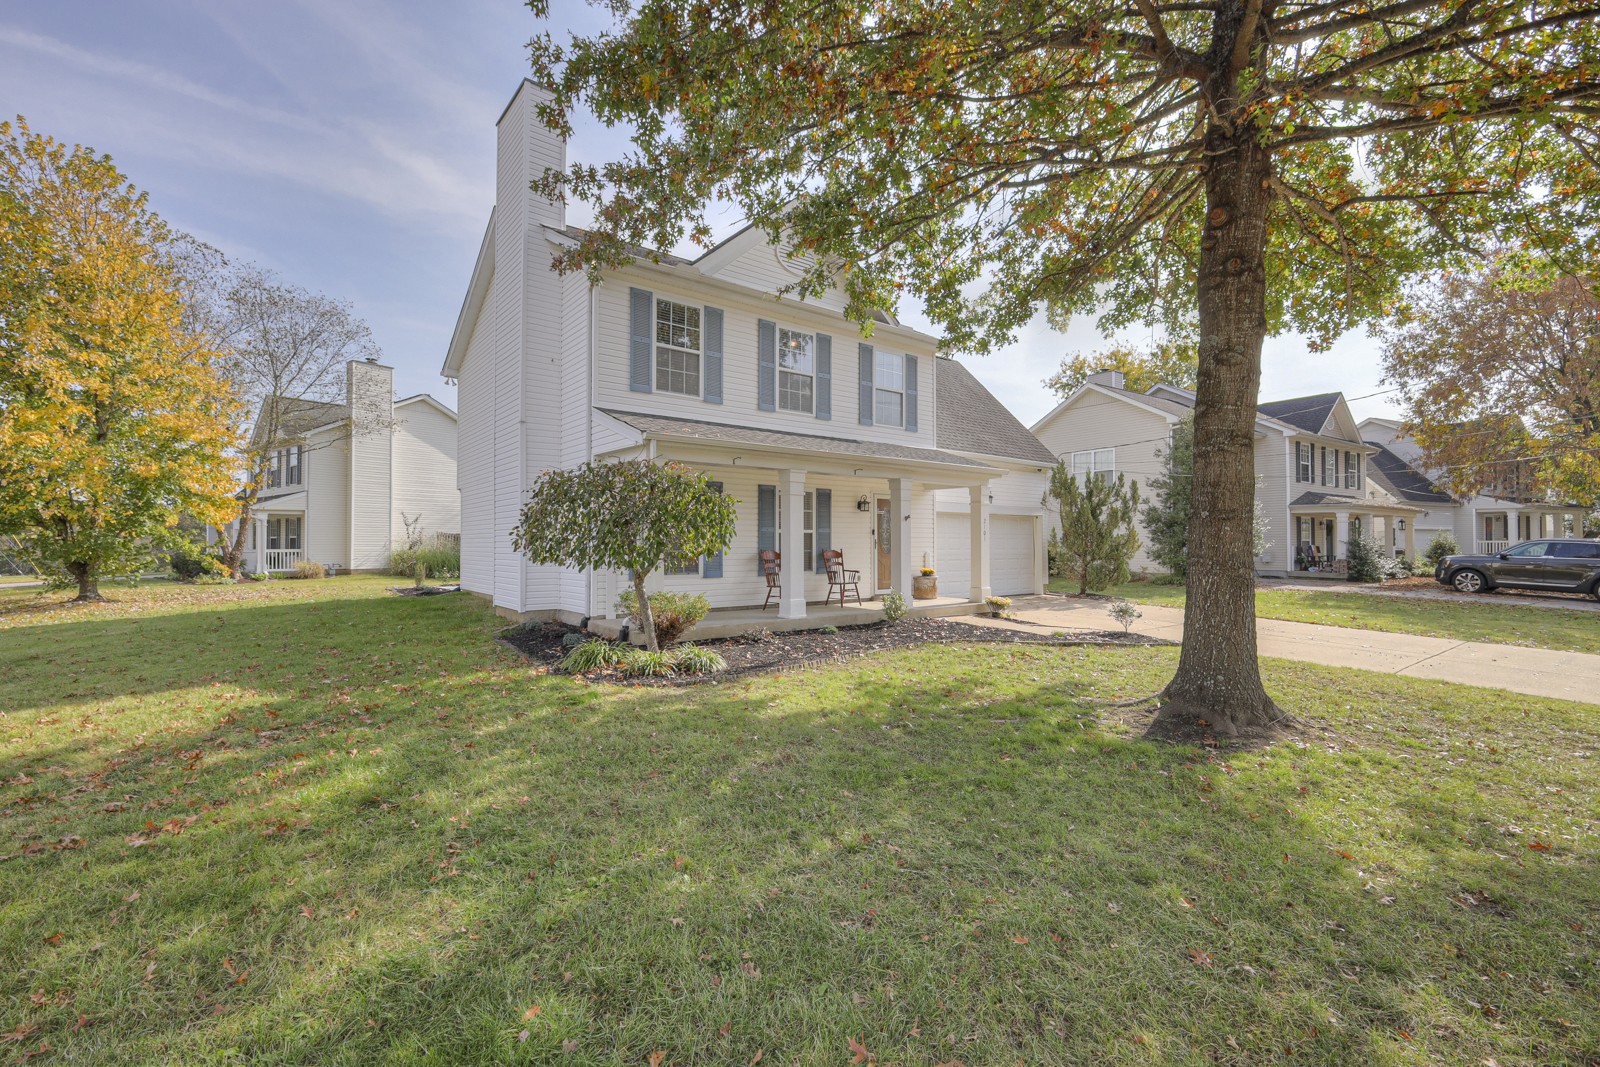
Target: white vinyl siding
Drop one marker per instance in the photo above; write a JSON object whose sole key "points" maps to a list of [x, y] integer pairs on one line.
{"points": [[425, 470]]}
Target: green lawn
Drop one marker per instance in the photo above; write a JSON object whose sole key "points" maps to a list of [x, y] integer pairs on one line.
{"points": [[311, 823], [1467, 620]]}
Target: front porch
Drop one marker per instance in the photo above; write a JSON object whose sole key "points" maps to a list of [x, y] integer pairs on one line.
{"points": [[1322, 535], [731, 622], [1498, 529], [276, 544]]}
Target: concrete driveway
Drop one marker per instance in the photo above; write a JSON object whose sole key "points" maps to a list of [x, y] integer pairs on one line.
{"points": [[1533, 671]]}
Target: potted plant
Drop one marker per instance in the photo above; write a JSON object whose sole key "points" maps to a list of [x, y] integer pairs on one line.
{"points": [[925, 583]]}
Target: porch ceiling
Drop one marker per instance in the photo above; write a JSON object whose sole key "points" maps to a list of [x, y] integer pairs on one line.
{"points": [[295, 501], [778, 449], [1323, 504]]}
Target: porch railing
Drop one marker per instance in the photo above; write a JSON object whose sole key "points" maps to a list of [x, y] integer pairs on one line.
{"points": [[1490, 548], [281, 559]]}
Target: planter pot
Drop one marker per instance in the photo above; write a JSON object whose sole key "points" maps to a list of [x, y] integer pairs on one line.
{"points": [[924, 587]]}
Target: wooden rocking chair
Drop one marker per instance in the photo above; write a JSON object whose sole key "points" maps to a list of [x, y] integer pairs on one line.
{"points": [[839, 578], [771, 570]]}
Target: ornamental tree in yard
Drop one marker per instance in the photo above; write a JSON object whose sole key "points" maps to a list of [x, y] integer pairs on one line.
{"points": [[1500, 372], [1097, 536], [629, 516], [1234, 167], [113, 421]]}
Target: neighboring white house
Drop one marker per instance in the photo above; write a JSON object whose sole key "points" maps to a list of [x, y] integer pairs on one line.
{"points": [[828, 438], [1311, 465], [1480, 523], [359, 472]]}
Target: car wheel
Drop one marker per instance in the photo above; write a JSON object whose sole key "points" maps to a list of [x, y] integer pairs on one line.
{"points": [[1469, 581]]}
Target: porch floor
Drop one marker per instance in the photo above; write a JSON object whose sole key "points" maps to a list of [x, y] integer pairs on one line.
{"points": [[731, 622]]}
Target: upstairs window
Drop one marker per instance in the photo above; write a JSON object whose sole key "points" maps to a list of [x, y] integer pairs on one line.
{"points": [[796, 371], [1352, 479], [889, 390], [1330, 467], [1098, 463], [677, 348], [1303, 458], [285, 468]]}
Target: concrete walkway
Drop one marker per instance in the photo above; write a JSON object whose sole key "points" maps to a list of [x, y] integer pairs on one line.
{"points": [[1534, 671]]}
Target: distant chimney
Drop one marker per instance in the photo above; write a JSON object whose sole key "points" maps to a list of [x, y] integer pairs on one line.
{"points": [[1113, 378]]}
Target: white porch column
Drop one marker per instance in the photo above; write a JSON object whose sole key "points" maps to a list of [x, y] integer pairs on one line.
{"points": [[978, 502], [900, 537], [259, 555], [1411, 538], [1341, 535], [791, 543]]}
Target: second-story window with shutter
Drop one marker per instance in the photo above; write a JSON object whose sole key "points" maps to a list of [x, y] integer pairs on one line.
{"points": [[889, 390], [1350, 471], [677, 348], [797, 370]]}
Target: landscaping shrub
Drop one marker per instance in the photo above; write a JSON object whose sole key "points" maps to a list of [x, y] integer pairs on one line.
{"points": [[592, 655], [1125, 613], [1442, 545], [573, 640], [674, 613], [894, 606], [1365, 558], [1421, 567], [1395, 567], [189, 564], [642, 663], [692, 659], [828, 630], [441, 555], [310, 569]]}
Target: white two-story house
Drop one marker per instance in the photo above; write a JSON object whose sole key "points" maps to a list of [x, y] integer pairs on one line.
{"points": [[827, 437], [1311, 465], [357, 474], [1488, 521]]}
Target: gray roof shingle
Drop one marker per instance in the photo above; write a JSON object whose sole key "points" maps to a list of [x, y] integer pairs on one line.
{"points": [[1402, 479], [970, 419], [1306, 413], [805, 442]]}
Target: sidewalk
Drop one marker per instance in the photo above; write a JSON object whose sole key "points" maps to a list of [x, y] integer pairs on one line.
{"points": [[1533, 671]]}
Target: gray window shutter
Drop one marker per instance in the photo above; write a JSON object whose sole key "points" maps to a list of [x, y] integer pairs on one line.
{"points": [[711, 357], [712, 567], [822, 523], [766, 365], [911, 394], [766, 520], [642, 306], [865, 414], [824, 397]]}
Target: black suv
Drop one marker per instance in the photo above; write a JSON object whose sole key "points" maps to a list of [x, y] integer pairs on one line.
{"points": [[1561, 566]]}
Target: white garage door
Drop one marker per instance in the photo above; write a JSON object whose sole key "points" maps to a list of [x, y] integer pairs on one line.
{"points": [[1012, 550]]}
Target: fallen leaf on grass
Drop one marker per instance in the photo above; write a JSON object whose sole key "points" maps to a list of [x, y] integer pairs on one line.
{"points": [[1201, 959], [656, 1057], [861, 1053], [760, 1052], [21, 1033], [531, 1013]]}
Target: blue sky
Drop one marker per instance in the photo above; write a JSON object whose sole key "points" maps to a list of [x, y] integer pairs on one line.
{"points": [[349, 145]]}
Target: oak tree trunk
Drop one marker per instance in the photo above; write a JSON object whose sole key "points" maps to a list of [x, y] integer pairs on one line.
{"points": [[1217, 688]]}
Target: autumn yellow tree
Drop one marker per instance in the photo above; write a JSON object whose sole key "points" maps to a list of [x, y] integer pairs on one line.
{"points": [[1168, 363], [113, 420]]}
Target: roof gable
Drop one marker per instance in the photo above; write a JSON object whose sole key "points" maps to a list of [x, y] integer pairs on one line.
{"points": [[1169, 410], [968, 418], [1307, 413]]}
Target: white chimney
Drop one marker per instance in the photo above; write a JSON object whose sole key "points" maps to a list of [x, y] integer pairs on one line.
{"points": [[369, 390], [1112, 378]]}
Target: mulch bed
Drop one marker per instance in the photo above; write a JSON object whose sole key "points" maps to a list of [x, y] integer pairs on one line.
{"points": [[542, 645]]}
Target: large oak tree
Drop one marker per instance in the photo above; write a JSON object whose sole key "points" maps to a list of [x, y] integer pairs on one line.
{"points": [[1238, 166]]}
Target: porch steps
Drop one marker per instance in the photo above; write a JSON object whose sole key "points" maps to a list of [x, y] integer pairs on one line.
{"points": [[731, 622]]}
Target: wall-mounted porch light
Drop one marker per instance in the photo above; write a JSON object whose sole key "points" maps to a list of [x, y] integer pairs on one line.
{"points": [[863, 504]]}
